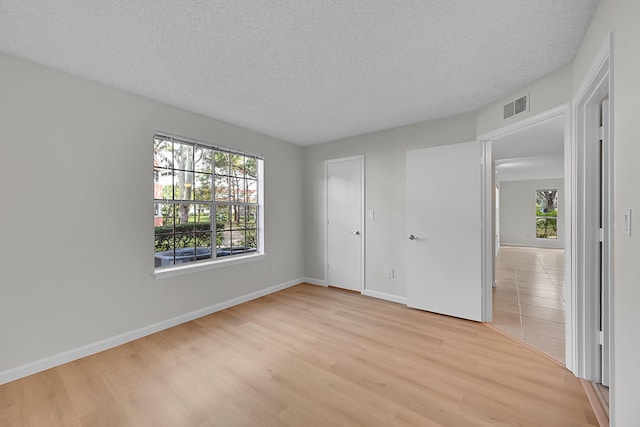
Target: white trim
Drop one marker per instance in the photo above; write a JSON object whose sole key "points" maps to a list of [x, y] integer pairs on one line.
{"points": [[525, 123], [181, 269], [596, 86], [96, 347], [488, 239], [317, 282], [385, 296], [325, 209]]}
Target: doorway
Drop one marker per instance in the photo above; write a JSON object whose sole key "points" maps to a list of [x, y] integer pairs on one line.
{"points": [[532, 254], [344, 180], [530, 297]]}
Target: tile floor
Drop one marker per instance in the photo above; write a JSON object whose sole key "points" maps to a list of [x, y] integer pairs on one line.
{"points": [[528, 300]]}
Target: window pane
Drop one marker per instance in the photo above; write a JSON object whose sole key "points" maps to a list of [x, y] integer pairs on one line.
{"points": [[252, 191], [221, 163], [547, 202], [183, 156], [236, 189], [222, 188], [251, 168], [203, 241], [184, 217], [252, 217], [167, 211], [183, 185], [162, 153], [222, 216], [163, 234], [236, 165], [202, 217], [250, 240], [202, 185], [547, 228], [203, 158]]}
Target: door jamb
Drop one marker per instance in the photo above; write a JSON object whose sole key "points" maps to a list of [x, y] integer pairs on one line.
{"points": [[597, 85], [487, 201]]}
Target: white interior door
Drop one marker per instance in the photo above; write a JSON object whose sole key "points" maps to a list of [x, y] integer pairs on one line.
{"points": [[344, 223], [444, 229]]}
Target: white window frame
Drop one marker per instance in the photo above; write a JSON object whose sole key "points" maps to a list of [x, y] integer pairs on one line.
{"points": [[214, 261]]}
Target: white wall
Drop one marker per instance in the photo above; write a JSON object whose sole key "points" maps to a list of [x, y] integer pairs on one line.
{"points": [[385, 157], [621, 18], [76, 258], [518, 216]]}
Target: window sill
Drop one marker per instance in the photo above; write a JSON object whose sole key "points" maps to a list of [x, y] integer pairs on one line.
{"points": [[162, 273]]}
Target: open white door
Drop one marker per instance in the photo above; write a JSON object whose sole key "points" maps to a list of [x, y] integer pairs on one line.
{"points": [[444, 230]]}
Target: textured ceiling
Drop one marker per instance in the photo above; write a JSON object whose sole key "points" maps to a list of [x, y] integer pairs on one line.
{"points": [[303, 71]]}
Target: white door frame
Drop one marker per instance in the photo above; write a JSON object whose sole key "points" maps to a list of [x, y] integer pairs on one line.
{"points": [[363, 233], [488, 185], [586, 297], [487, 218]]}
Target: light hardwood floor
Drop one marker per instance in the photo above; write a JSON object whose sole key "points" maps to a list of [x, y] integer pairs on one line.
{"points": [[307, 356], [529, 299]]}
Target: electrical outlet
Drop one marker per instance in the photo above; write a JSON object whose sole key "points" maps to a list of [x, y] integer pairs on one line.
{"points": [[391, 273]]}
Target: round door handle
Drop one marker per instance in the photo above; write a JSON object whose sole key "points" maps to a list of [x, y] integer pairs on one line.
{"points": [[412, 237], [355, 233]]}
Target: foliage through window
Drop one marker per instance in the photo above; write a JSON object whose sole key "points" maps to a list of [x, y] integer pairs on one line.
{"points": [[207, 201], [547, 214]]}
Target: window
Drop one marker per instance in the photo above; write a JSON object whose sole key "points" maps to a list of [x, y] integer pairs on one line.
{"points": [[207, 201], [547, 214]]}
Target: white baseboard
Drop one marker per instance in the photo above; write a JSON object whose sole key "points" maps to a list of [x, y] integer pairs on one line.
{"points": [[385, 296], [96, 347], [316, 282]]}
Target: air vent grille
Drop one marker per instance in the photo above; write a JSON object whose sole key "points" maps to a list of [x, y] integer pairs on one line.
{"points": [[509, 109], [518, 106]]}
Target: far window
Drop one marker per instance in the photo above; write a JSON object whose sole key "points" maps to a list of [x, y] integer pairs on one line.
{"points": [[207, 201], [547, 214]]}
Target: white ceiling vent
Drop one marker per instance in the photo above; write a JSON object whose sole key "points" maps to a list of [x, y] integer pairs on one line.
{"points": [[518, 106]]}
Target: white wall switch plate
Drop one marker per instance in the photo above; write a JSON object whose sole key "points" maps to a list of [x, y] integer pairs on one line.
{"points": [[626, 222]]}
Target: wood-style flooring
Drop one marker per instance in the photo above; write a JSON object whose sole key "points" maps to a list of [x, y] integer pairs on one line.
{"points": [[307, 356]]}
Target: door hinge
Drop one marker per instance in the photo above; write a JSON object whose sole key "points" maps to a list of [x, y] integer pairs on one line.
{"points": [[601, 234], [601, 133], [601, 337], [327, 266]]}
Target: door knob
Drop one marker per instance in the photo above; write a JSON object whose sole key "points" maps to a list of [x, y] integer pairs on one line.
{"points": [[412, 237], [355, 233]]}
